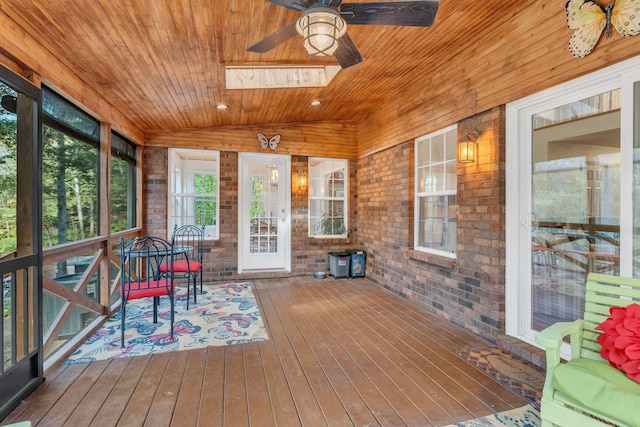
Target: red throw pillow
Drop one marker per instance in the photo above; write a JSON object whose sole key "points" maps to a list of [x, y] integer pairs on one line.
{"points": [[620, 339]]}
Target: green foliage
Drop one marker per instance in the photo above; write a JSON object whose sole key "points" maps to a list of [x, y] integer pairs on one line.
{"points": [[205, 207], [70, 189], [121, 212], [8, 182], [329, 225]]}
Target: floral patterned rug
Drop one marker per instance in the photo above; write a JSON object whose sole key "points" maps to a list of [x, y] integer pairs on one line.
{"points": [[223, 315], [521, 376]]}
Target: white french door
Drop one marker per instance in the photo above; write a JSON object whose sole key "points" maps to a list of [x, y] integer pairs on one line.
{"points": [[571, 186], [264, 215]]}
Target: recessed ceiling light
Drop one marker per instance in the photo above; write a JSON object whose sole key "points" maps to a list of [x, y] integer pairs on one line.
{"points": [[222, 106], [315, 102]]}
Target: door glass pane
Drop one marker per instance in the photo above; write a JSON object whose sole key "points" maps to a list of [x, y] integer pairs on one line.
{"points": [[263, 224], [575, 203]]}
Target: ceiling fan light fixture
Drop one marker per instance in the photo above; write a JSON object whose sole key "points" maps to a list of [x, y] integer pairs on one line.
{"points": [[321, 27]]}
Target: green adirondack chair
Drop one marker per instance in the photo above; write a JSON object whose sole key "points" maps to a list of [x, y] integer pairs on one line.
{"points": [[587, 391]]}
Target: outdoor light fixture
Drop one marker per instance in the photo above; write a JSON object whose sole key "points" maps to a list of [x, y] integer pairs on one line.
{"points": [[302, 180], [467, 147], [274, 175], [321, 27]]}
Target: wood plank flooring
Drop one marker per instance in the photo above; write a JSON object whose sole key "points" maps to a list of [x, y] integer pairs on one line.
{"points": [[341, 353]]}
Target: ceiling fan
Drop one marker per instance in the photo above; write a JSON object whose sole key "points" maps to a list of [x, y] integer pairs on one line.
{"points": [[323, 24]]}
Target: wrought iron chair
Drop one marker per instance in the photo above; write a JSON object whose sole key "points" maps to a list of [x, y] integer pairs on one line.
{"points": [[188, 241], [142, 261]]}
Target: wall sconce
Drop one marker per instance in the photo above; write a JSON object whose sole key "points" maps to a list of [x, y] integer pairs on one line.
{"points": [[302, 180], [467, 147], [321, 27], [274, 175]]}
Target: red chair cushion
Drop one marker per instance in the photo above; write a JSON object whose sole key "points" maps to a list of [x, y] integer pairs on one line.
{"points": [[146, 289], [182, 266]]}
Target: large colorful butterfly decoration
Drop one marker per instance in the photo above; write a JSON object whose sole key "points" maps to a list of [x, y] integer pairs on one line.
{"points": [[589, 19]]}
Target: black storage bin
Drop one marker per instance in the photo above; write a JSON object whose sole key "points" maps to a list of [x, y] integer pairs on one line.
{"points": [[339, 264], [358, 261]]}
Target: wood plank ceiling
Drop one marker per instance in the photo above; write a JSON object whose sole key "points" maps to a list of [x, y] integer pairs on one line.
{"points": [[162, 62]]}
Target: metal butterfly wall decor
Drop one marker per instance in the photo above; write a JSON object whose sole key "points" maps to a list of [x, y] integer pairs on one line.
{"points": [[588, 19], [268, 143]]}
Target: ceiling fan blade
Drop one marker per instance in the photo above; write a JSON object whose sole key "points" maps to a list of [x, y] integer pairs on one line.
{"points": [[291, 4], [420, 13], [274, 39], [347, 53]]}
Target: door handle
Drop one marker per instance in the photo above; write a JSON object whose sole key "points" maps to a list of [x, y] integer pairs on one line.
{"points": [[283, 217]]}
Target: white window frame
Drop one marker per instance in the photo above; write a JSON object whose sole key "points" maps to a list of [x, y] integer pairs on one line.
{"points": [[319, 193], [193, 162], [422, 192]]}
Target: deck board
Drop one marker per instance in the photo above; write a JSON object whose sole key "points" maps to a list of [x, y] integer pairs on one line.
{"points": [[340, 352], [211, 409], [139, 405], [258, 401], [235, 395], [100, 391], [427, 356], [393, 376], [188, 403], [112, 408]]}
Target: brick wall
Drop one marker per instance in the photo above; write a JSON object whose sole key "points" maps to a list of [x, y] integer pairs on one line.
{"points": [[470, 289], [221, 256], [155, 191]]}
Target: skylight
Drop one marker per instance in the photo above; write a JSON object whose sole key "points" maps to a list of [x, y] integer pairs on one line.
{"points": [[273, 77]]}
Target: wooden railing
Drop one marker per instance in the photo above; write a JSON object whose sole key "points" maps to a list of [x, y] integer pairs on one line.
{"points": [[105, 256]]}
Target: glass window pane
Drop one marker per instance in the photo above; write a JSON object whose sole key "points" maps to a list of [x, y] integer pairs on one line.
{"points": [[123, 184], [63, 115], [69, 173], [451, 175], [194, 191], [437, 222], [328, 188], [436, 185], [422, 148], [437, 149]]}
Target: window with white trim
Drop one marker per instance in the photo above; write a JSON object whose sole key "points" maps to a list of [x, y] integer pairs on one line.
{"points": [[328, 188], [193, 189], [436, 206]]}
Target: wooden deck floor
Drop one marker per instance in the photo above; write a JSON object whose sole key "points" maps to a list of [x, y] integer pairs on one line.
{"points": [[341, 353]]}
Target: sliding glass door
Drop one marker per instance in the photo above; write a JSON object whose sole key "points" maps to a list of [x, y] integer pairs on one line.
{"points": [[572, 187]]}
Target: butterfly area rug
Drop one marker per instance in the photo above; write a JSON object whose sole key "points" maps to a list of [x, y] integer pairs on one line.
{"points": [[223, 315], [521, 376]]}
